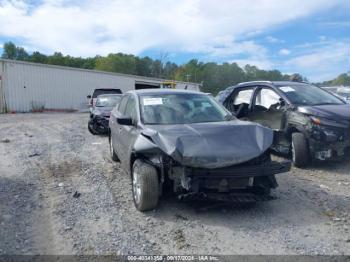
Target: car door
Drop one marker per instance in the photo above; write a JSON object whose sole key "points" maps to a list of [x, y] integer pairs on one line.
{"points": [[127, 133], [115, 127], [268, 108]]}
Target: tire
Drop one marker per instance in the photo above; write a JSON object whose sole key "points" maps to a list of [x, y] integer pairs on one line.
{"points": [[91, 128], [300, 150], [112, 153], [145, 186]]}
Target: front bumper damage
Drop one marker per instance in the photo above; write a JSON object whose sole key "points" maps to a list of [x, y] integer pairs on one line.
{"points": [[100, 124], [329, 142], [228, 179]]}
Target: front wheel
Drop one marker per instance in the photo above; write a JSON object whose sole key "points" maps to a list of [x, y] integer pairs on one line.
{"points": [[145, 186], [300, 150]]}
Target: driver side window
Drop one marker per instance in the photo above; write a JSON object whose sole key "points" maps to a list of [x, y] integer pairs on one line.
{"points": [[130, 110], [267, 98], [122, 104]]}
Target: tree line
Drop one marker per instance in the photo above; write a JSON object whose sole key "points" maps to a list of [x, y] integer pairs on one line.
{"points": [[213, 76]]}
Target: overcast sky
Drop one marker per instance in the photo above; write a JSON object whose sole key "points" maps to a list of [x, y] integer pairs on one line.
{"points": [[307, 36]]}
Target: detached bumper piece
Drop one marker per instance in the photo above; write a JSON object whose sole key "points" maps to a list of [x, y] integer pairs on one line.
{"points": [[266, 169]]}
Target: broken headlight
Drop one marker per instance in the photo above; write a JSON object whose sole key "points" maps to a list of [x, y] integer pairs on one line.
{"points": [[320, 121], [327, 130]]}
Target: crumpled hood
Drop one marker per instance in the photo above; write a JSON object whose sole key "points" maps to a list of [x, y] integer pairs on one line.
{"points": [[336, 112], [211, 145]]}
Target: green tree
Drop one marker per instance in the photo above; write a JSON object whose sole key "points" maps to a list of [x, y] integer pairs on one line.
{"points": [[37, 57], [342, 79], [143, 66], [56, 59], [296, 77], [11, 51], [119, 63]]}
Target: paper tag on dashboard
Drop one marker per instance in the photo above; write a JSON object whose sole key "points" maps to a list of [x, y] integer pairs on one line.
{"points": [[152, 101], [287, 89]]}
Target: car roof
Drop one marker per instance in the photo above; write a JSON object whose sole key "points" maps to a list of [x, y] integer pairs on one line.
{"points": [[109, 95], [277, 83], [106, 89], [155, 91], [224, 94]]}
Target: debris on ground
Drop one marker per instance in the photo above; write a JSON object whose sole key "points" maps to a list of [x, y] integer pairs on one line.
{"points": [[67, 228], [61, 184], [178, 216], [325, 187], [76, 194], [34, 154], [329, 213], [180, 239]]}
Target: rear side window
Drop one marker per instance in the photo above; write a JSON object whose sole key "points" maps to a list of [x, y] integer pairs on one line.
{"points": [[243, 96], [122, 104]]}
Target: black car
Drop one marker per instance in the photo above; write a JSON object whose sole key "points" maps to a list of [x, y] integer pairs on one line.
{"points": [[99, 114], [186, 143], [309, 122]]}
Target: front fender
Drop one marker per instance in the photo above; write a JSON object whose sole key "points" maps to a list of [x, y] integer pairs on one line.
{"points": [[144, 144]]}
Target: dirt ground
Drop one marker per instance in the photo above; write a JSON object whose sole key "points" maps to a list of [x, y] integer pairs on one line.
{"points": [[46, 158]]}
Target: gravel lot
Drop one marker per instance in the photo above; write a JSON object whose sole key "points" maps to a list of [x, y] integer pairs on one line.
{"points": [[46, 158]]}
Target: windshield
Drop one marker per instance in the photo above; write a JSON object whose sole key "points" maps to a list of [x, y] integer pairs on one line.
{"points": [[303, 94], [181, 109], [107, 101]]}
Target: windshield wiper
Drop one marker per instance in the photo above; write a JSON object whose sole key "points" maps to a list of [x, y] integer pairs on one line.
{"points": [[324, 104]]}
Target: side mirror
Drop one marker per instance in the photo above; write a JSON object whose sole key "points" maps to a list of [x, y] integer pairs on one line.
{"points": [[125, 121], [88, 97]]}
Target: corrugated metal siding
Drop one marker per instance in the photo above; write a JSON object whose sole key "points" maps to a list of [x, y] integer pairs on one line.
{"points": [[29, 86], [2, 94]]}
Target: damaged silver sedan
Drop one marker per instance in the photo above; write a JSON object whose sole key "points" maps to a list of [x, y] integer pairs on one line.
{"points": [[184, 142]]}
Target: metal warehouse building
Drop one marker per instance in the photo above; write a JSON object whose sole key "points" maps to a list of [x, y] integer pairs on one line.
{"points": [[25, 86]]}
